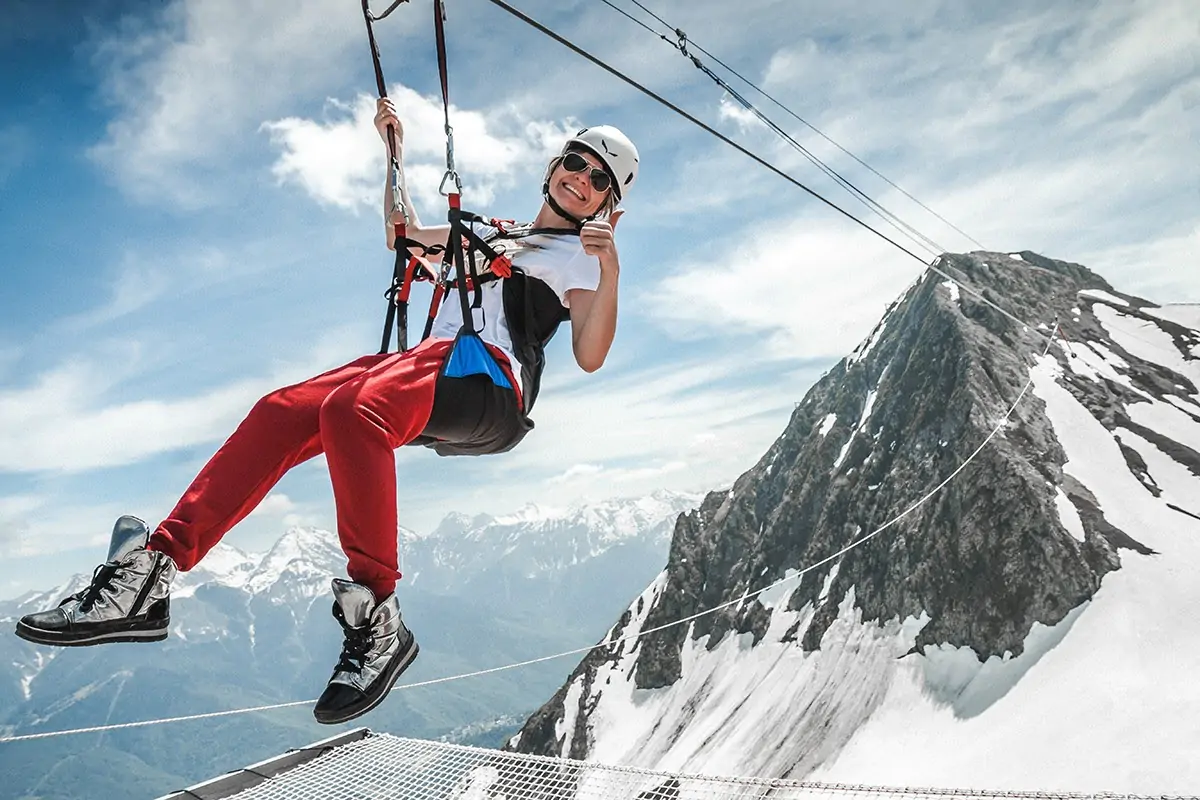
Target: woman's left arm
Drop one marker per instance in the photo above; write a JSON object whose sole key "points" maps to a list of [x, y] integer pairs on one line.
{"points": [[594, 313]]}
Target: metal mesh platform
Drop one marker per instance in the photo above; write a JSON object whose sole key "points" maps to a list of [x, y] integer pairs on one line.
{"points": [[362, 765]]}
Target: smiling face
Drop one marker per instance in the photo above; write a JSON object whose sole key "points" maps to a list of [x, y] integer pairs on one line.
{"points": [[574, 191]]}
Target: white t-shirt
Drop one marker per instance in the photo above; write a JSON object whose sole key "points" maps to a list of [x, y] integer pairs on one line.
{"points": [[557, 260]]}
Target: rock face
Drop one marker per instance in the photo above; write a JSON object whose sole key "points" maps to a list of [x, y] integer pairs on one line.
{"points": [[1011, 541]]}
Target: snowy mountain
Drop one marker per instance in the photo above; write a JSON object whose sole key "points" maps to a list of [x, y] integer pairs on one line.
{"points": [[538, 543], [1033, 625], [252, 629]]}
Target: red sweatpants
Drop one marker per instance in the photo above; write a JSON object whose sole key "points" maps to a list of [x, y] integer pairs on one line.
{"points": [[357, 415]]}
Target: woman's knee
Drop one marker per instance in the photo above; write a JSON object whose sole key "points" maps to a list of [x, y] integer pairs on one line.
{"points": [[342, 408], [274, 408]]}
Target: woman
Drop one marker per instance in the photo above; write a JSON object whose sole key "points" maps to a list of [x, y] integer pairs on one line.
{"points": [[359, 413]]}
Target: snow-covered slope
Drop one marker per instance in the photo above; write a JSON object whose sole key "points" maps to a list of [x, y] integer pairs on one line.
{"points": [[1107, 699], [1034, 626]]}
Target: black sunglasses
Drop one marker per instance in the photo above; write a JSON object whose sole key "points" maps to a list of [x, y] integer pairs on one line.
{"points": [[573, 162]]}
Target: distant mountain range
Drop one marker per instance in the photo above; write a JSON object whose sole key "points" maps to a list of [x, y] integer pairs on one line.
{"points": [[255, 629]]}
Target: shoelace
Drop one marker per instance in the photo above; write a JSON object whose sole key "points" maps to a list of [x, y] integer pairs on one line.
{"points": [[101, 580], [355, 648]]}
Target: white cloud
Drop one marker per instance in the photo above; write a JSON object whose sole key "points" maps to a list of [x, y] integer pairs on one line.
{"points": [[191, 83], [275, 504], [288, 513], [730, 109], [43, 525], [686, 425], [62, 421], [576, 472], [777, 280], [1047, 131], [137, 285], [340, 160], [584, 476]]}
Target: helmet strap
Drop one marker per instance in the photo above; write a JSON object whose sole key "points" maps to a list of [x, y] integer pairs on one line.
{"points": [[554, 204]]}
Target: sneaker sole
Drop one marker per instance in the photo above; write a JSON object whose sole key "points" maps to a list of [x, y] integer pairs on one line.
{"points": [[375, 697], [39, 636]]}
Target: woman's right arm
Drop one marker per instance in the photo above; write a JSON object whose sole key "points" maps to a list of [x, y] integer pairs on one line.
{"points": [[428, 235]]}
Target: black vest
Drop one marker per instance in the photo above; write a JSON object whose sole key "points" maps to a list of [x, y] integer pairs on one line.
{"points": [[473, 416]]}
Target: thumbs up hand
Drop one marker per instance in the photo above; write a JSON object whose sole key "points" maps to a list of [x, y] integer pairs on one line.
{"points": [[597, 239]]}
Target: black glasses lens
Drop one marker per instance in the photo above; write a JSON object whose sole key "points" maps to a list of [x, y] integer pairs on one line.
{"points": [[573, 162]]}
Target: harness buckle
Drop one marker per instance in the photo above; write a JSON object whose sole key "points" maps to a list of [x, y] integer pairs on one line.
{"points": [[501, 265]]}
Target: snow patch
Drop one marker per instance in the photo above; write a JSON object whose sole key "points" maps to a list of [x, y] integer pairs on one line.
{"points": [[1168, 420], [827, 425], [1177, 484], [832, 576], [1122, 681], [1182, 404], [864, 348], [1185, 314], [868, 407], [952, 287], [564, 729], [1147, 341], [1100, 294], [733, 709], [1068, 515], [954, 675]]}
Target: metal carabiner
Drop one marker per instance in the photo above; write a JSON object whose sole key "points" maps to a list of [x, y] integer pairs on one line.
{"points": [[457, 183]]}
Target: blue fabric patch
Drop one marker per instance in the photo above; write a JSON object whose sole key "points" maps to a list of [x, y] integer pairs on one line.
{"points": [[470, 356]]}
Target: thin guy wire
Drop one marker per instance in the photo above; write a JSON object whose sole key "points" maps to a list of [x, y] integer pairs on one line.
{"points": [[914, 235], [803, 121]]}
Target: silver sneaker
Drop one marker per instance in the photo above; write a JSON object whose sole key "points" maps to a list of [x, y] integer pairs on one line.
{"points": [[128, 599], [377, 649]]}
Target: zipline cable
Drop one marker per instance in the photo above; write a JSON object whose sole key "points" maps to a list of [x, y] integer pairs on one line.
{"points": [[794, 115], [607, 643], [755, 157], [913, 234], [695, 121]]}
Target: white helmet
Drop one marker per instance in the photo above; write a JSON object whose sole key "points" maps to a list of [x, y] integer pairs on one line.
{"points": [[614, 149]]}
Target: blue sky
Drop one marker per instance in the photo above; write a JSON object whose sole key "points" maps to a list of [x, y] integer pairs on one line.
{"points": [[189, 203]]}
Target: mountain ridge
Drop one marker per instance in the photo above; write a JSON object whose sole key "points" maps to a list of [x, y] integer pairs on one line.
{"points": [[966, 599]]}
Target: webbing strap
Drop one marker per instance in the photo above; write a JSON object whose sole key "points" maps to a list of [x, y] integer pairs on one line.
{"points": [[462, 261], [439, 26], [406, 261]]}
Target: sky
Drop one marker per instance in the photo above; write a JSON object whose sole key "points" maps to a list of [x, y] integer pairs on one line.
{"points": [[190, 211]]}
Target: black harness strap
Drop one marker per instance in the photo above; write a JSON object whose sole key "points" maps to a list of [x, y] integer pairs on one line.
{"points": [[407, 263]]}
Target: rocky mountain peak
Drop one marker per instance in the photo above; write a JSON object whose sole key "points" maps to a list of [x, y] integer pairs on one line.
{"points": [[1017, 543]]}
